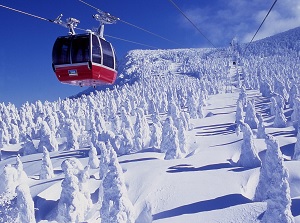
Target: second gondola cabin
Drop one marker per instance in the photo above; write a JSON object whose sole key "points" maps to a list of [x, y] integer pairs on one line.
{"points": [[84, 60]]}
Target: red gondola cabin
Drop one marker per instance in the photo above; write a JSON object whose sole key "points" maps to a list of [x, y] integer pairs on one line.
{"points": [[84, 60]]}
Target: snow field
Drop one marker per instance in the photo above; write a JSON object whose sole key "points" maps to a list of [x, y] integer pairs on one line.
{"points": [[211, 182]]}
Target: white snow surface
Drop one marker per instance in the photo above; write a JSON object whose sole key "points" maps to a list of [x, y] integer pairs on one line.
{"points": [[203, 187], [205, 184]]}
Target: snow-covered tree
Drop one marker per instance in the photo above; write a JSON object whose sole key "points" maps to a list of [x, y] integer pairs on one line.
{"points": [[170, 143], [3, 137], [8, 209], [47, 139], [71, 207], [273, 185], [280, 101], [104, 161], [203, 97], [9, 180], [46, 171], [143, 104], [72, 136], [61, 126], [133, 104], [184, 120], [192, 106], [200, 111], [261, 129], [188, 120], [12, 176], [18, 165], [108, 136], [250, 116], [93, 158], [266, 89], [14, 133], [173, 151], [116, 206], [112, 108], [94, 136], [142, 131], [52, 122], [22, 176], [243, 96], [293, 93], [156, 119], [127, 106], [74, 203], [25, 204], [182, 138], [106, 149], [156, 135], [296, 113], [126, 145], [152, 107], [173, 109], [116, 124], [280, 119], [273, 106], [168, 125], [296, 155], [126, 121], [84, 186], [28, 147], [239, 115], [280, 89], [164, 103], [248, 157], [273, 159], [100, 122]]}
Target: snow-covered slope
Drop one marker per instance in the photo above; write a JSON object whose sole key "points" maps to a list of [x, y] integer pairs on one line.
{"points": [[196, 62], [172, 103]]}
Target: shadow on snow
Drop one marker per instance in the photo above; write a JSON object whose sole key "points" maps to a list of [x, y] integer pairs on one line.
{"points": [[295, 207], [188, 168], [288, 150], [210, 127], [137, 160], [228, 143], [285, 133], [202, 206], [221, 108], [220, 129], [44, 207]]}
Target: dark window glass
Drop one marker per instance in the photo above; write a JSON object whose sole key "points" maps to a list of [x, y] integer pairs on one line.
{"points": [[61, 51], [80, 49], [108, 58], [96, 50]]}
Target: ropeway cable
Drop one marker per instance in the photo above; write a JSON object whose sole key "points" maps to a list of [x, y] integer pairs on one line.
{"points": [[176, 6], [125, 40], [130, 41], [261, 24], [52, 21], [135, 26], [26, 13], [154, 34]]}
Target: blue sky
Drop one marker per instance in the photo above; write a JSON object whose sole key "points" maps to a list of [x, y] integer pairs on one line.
{"points": [[26, 43]]}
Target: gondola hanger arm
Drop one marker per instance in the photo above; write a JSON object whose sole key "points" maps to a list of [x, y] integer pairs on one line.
{"points": [[70, 23]]}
